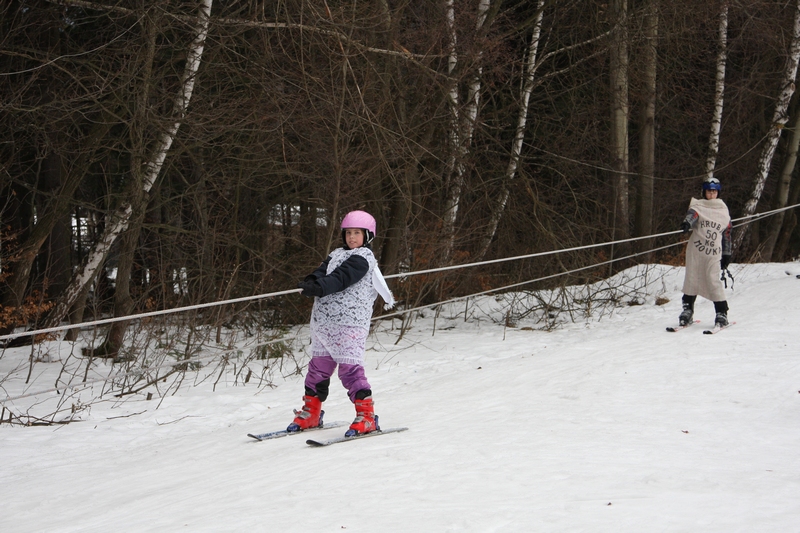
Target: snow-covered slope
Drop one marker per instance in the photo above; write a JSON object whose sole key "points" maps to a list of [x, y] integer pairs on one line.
{"points": [[608, 423]]}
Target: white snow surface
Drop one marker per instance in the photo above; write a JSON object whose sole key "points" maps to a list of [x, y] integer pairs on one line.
{"points": [[604, 423]]}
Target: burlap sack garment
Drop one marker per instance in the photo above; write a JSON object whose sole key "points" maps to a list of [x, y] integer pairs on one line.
{"points": [[704, 250]]}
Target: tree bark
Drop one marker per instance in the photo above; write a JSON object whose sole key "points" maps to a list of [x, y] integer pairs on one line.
{"points": [[123, 303], [620, 112], [719, 91], [452, 183], [782, 193], [789, 223], [779, 119], [647, 139]]}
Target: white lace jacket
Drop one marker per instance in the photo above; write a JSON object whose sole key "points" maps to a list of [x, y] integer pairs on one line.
{"points": [[353, 305]]}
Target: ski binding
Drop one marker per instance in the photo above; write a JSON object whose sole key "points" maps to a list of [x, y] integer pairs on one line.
{"points": [[673, 329], [717, 329], [285, 433]]}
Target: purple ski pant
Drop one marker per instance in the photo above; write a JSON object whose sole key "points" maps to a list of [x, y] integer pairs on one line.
{"points": [[321, 368]]}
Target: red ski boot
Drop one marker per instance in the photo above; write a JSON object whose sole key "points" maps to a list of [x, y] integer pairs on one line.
{"points": [[310, 416], [366, 421]]}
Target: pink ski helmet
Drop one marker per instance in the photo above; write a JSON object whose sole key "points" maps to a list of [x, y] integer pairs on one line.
{"points": [[361, 220]]}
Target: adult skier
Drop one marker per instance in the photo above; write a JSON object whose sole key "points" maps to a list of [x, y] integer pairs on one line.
{"points": [[708, 250]]}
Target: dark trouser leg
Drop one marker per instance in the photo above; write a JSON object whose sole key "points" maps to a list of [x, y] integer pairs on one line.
{"points": [[687, 299]]}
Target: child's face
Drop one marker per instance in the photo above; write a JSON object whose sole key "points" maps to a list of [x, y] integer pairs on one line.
{"points": [[354, 238], [711, 194]]}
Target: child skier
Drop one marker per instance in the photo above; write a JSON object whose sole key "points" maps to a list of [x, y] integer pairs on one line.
{"points": [[708, 249], [344, 288]]}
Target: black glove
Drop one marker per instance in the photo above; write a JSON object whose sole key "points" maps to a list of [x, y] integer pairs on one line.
{"points": [[685, 226], [724, 262], [310, 277], [310, 288]]}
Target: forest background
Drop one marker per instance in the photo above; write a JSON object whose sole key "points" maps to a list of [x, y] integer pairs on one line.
{"points": [[156, 155]]}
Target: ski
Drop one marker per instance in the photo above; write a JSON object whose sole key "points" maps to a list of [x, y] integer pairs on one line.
{"points": [[337, 440], [284, 433], [717, 329], [673, 329]]}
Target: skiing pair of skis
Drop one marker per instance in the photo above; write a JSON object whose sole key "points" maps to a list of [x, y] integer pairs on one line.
{"points": [[327, 442], [716, 329]]}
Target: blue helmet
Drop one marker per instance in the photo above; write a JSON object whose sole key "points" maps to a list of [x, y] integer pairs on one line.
{"points": [[711, 184]]}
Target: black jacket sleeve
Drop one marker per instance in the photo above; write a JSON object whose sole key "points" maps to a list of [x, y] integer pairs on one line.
{"points": [[320, 271], [351, 271]]}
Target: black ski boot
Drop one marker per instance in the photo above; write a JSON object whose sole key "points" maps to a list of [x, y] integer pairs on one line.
{"points": [[686, 315], [721, 319]]}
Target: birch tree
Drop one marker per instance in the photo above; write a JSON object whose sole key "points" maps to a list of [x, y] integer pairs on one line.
{"points": [[534, 60], [519, 135], [123, 303], [454, 194], [120, 219], [462, 126], [719, 91], [779, 119]]}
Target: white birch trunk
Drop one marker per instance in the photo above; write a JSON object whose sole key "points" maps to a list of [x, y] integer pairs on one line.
{"points": [[719, 92], [474, 93], [461, 131], [519, 135], [119, 220], [779, 119], [451, 205]]}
